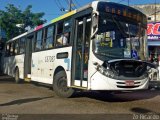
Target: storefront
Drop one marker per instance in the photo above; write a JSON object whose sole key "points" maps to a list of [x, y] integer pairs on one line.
{"points": [[154, 42]]}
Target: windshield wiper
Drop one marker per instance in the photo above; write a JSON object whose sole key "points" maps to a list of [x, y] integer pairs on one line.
{"points": [[118, 25], [112, 54]]}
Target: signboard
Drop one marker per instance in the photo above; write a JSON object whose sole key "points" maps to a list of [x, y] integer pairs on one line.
{"points": [[123, 10], [153, 31]]}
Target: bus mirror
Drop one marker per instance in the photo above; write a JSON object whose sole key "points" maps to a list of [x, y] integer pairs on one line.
{"points": [[95, 20], [94, 33], [94, 25]]}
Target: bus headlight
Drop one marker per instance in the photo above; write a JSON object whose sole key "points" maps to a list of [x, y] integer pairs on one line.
{"points": [[104, 71]]}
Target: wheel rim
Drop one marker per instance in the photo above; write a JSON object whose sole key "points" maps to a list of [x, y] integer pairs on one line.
{"points": [[62, 84]]}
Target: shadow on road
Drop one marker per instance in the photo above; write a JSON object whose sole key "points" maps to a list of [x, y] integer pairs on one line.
{"points": [[120, 97], [22, 101], [106, 97], [142, 110], [6, 79]]}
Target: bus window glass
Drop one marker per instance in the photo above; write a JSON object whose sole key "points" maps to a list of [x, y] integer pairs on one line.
{"points": [[49, 40], [119, 38], [12, 49], [67, 26], [22, 45], [60, 28], [38, 41], [63, 37], [7, 49], [16, 48]]}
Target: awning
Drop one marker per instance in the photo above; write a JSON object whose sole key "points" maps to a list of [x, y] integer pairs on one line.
{"points": [[153, 43]]}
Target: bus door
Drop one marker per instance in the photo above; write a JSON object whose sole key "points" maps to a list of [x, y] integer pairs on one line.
{"points": [[81, 52], [28, 58]]}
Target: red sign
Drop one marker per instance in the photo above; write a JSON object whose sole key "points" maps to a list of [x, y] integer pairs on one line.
{"points": [[129, 83], [153, 31]]}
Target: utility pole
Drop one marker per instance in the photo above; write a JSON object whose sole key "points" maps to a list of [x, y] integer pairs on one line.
{"points": [[128, 2], [70, 5], [155, 11]]}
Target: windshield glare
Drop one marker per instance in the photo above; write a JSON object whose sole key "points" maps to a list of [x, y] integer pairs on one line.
{"points": [[117, 38]]}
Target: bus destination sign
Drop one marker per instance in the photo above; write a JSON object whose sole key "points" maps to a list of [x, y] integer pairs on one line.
{"points": [[123, 10]]}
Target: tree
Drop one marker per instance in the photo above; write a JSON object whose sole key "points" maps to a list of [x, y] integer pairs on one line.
{"points": [[15, 21]]}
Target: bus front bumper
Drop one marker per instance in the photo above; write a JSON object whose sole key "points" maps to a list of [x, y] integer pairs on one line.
{"points": [[101, 82]]}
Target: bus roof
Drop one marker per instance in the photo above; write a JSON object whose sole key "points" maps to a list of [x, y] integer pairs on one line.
{"points": [[92, 4]]}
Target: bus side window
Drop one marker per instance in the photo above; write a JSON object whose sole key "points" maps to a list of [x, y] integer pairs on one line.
{"points": [[67, 30], [7, 50], [49, 37], [38, 42], [16, 48], [12, 49], [59, 37], [22, 45], [63, 33]]}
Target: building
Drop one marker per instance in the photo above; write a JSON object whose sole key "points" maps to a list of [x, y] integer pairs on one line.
{"points": [[151, 10], [2, 41], [153, 30]]}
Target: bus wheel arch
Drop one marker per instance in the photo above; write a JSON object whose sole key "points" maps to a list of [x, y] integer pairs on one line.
{"points": [[60, 83]]}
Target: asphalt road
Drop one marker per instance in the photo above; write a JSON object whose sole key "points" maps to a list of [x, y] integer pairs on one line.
{"points": [[31, 98]]}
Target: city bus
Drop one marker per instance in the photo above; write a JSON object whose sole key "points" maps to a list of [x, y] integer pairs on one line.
{"points": [[98, 47]]}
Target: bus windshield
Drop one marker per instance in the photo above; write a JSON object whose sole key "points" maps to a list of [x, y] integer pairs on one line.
{"points": [[119, 38]]}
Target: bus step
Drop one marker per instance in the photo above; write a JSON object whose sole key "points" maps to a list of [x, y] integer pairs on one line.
{"points": [[27, 79], [79, 87]]}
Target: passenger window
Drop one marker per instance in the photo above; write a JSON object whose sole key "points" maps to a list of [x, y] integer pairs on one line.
{"points": [[12, 49], [16, 48], [49, 37], [60, 28], [7, 49], [63, 31], [22, 45], [67, 26], [38, 43]]}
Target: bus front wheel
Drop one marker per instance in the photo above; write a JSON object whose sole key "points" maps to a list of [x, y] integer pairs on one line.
{"points": [[60, 85]]}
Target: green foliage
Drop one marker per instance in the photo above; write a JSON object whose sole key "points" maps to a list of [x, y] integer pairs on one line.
{"points": [[13, 16]]}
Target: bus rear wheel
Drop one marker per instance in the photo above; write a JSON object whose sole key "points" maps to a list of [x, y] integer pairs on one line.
{"points": [[60, 85], [17, 79]]}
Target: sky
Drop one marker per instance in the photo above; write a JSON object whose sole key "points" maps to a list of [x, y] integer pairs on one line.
{"points": [[51, 8]]}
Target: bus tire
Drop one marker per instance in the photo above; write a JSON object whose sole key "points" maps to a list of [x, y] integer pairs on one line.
{"points": [[17, 79], [60, 85]]}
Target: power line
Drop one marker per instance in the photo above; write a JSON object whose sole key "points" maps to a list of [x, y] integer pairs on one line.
{"points": [[121, 1], [77, 3], [57, 4], [155, 12], [73, 4], [67, 1], [70, 5], [124, 0], [60, 4]]}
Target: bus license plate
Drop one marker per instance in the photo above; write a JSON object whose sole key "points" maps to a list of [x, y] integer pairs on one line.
{"points": [[129, 83]]}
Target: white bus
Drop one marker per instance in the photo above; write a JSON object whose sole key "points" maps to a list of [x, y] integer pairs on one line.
{"points": [[101, 46]]}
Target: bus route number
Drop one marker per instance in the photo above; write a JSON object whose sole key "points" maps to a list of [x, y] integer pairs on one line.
{"points": [[49, 58]]}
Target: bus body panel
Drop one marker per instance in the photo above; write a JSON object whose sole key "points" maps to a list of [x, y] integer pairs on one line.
{"points": [[44, 64], [101, 82], [10, 64]]}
